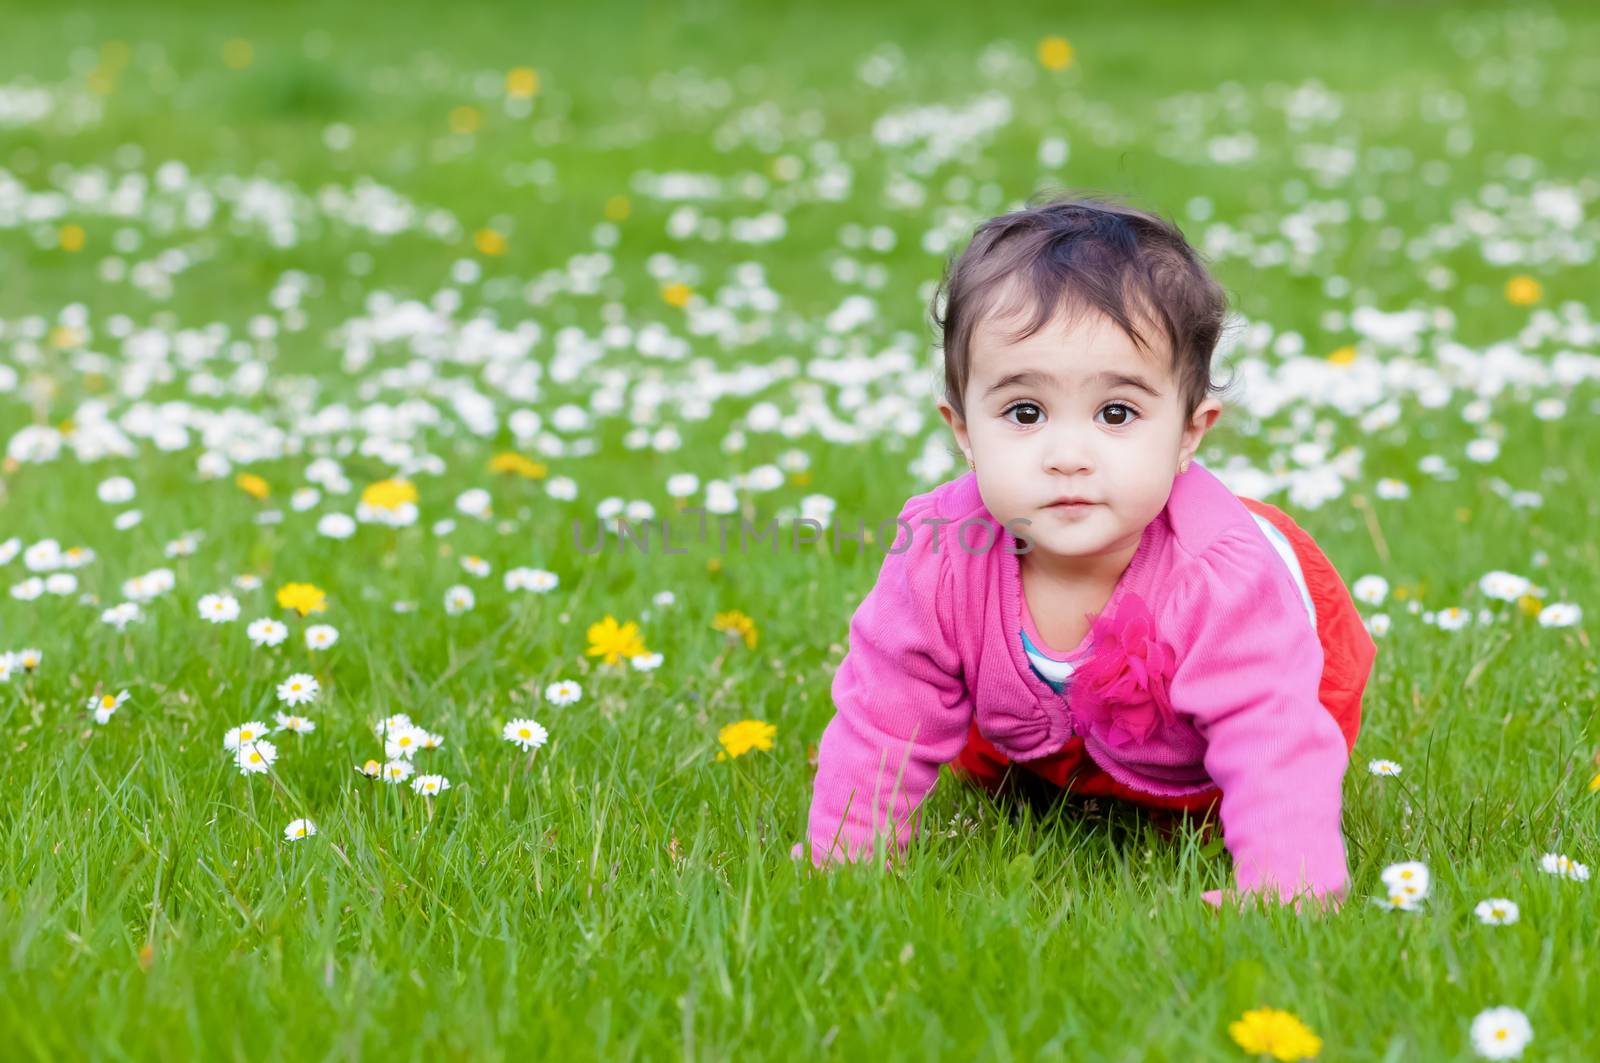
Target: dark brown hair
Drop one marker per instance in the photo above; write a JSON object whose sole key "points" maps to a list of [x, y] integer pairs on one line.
{"points": [[1080, 255]]}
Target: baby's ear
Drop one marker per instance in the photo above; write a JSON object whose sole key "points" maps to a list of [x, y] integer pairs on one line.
{"points": [[1200, 422], [957, 423]]}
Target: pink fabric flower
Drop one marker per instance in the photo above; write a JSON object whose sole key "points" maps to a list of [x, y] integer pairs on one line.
{"points": [[1121, 691]]}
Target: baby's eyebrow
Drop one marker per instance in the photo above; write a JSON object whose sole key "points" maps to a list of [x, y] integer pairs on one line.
{"points": [[1107, 379]]}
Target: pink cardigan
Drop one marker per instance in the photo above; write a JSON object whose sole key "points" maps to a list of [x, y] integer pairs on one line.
{"points": [[1225, 693]]}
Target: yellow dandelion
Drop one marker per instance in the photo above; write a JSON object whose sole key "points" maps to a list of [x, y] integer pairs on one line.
{"points": [[71, 237], [618, 208], [1343, 355], [1594, 783], [677, 294], [1055, 53], [389, 494], [713, 565], [802, 478], [303, 598], [252, 485], [740, 738], [522, 82], [737, 624], [465, 119], [612, 641], [1530, 605], [1269, 1031], [1523, 290], [510, 461], [489, 242]]}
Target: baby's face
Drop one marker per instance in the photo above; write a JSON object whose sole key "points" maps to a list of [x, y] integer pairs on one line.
{"points": [[1075, 411]]}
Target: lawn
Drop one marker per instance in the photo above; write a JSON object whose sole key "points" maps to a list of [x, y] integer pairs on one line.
{"points": [[398, 303]]}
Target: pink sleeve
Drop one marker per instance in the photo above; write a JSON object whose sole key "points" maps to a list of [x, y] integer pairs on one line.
{"points": [[902, 707], [1248, 672]]}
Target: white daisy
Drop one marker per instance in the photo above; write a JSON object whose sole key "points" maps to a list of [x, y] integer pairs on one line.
{"points": [[428, 785], [1497, 911], [1409, 878], [298, 689], [106, 704], [392, 725], [321, 636], [1383, 767], [475, 565], [645, 662], [247, 582], [121, 615], [431, 740], [1370, 589], [1452, 619], [116, 490], [1501, 1033], [299, 828], [336, 525], [183, 546], [29, 660], [474, 502], [267, 632], [403, 743], [244, 734], [1560, 614], [563, 692], [1379, 624], [458, 599], [1504, 586], [527, 734], [219, 608], [397, 771], [1563, 865], [1398, 901], [298, 724], [256, 757]]}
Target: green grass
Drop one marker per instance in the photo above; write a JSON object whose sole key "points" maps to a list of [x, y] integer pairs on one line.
{"points": [[624, 894]]}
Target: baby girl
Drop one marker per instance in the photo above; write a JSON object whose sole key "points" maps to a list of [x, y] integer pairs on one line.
{"points": [[1100, 611]]}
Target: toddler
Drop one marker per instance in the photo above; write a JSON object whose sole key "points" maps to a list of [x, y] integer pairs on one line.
{"points": [[1100, 611]]}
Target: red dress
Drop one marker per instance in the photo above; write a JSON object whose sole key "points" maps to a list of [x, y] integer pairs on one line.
{"points": [[1348, 652]]}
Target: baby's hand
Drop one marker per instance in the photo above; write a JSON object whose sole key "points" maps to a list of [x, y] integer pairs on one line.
{"points": [[1326, 903], [798, 852]]}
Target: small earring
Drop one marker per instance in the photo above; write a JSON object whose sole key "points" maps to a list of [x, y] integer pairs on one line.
{"points": [[972, 464], [1183, 466]]}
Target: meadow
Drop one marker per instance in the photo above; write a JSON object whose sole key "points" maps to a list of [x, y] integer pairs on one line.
{"points": [[330, 334]]}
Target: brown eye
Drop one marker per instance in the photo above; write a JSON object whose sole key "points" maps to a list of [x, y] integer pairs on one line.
{"points": [[1027, 413], [1117, 414]]}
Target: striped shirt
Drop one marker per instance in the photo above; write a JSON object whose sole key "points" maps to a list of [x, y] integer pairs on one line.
{"points": [[1056, 668]]}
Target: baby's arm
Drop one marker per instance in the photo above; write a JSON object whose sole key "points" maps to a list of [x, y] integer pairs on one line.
{"points": [[902, 707], [1249, 670]]}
